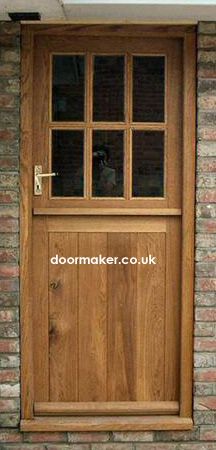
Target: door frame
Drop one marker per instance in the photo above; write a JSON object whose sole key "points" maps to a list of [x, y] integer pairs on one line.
{"points": [[184, 421]]}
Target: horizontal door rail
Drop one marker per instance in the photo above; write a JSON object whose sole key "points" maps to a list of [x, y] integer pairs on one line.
{"points": [[105, 408], [107, 211]]}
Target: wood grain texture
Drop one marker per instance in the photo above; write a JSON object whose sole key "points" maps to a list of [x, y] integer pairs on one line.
{"points": [[121, 281], [108, 408], [26, 225], [173, 308], [112, 28], [106, 211], [111, 224], [116, 423], [40, 308], [151, 319], [188, 224], [92, 320], [63, 320]]}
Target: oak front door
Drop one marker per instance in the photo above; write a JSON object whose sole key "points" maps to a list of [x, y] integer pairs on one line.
{"points": [[106, 226]]}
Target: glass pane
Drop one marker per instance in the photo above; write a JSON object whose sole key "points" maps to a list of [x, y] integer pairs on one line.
{"points": [[108, 89], [107, 164], [67, 161], [148, 88], [148, 163], [68, 90]]}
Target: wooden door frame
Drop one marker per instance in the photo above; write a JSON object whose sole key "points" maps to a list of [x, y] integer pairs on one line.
{"points": [[29, 422]]}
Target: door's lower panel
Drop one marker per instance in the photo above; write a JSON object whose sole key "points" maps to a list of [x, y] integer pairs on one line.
{"points": [[109, 332]]}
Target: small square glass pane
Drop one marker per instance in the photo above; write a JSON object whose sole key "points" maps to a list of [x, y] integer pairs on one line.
{"points": [[68, 161], [68, 88], [148, 164], [148, 88], [108, 164], [108, 89]]}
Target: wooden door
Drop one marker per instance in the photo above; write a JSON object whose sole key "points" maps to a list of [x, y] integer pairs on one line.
{"points": [[107, 119]]}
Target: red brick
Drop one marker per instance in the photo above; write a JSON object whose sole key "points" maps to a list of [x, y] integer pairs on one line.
{"points": [[203, 403], [206, 72], [10, 390], [207, 41], [10, 436], [9, 211], [208, 433], [45, 437], [7, 271], [9, 330], [6, 135], [68, 447], [89, 437], [207, 133], [8, 255], [177, 436], [206, 284], [206, 255], [9, 346], [8, 197], [8, 225], [9, 376], [205, 240], [7, 70], [205, 374], [9, 285], [206, 225], [112, 446], [206, 195], [10, 56], [205, 299], [206, 164], [207, 102], [133, 436], [6, 101], [204, 329], [7, 315], [8, 163], [9, 28], [204, 344], [206, 314], [8, 405]]}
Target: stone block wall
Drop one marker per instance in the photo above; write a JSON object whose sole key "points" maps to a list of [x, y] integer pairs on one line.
{"points": [[203, 436]]}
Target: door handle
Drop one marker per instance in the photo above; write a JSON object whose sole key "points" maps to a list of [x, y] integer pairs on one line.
{"points": [[38, 175]]}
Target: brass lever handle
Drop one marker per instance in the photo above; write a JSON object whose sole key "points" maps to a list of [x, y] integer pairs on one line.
{"points": [[38, 175], [47, 174]]}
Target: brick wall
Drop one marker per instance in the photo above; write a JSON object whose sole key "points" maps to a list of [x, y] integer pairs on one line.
{"points": [[203, 436]]}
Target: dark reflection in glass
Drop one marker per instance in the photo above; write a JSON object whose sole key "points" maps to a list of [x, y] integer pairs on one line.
{"points": [[107, 164], [148, 88], [68, 90], [148, 163], [67, 161], [108, 88]]}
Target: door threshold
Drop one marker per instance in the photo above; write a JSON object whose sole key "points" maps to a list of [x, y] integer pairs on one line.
{"points": [[114, 423]]}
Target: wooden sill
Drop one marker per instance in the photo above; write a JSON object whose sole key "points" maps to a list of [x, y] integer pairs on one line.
{"points": [[117, 423]]}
